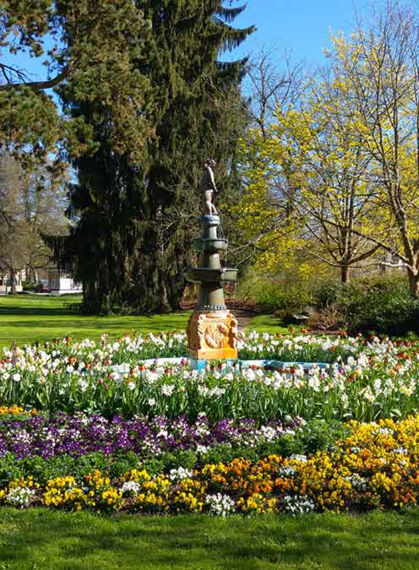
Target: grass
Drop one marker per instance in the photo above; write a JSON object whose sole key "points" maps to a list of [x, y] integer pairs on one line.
{"points": [[30, 318], [271, 324], [39, 538]]}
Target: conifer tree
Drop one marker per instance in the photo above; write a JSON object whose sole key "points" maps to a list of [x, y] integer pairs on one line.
{"points": [[137, 212]]}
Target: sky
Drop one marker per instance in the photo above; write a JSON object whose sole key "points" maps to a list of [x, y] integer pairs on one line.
{"points": [[299, 27]]}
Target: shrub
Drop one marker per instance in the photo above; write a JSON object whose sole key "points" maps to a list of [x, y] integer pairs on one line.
{"points": [[286, 295], [28, 286], [380, 305]]}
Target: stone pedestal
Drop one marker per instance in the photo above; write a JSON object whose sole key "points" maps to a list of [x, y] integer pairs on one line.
{"points": [[212, 335]]}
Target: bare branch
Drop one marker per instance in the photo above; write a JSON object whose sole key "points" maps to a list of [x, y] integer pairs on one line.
{"points": [[37, 85]]}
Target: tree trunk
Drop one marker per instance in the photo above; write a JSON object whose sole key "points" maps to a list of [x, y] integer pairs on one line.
{"points": [[344, 273], [30, 275], [414, 283], [13, 281]]}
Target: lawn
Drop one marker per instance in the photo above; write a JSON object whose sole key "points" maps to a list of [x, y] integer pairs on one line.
{"points": [[30, 318], [40, 538], [271, 324]]}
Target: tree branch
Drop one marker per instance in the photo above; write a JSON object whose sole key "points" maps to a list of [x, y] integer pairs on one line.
{"points": [[37, 85]]}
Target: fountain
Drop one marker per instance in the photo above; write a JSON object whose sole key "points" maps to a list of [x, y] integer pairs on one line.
{"points": [[212, 328]]}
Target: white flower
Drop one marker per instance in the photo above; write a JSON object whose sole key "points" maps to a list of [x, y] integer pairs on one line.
{"points": [[20, 496], [351, 361], [377, 384], [269, 433], [16, 377], [298, 504], [151, 402], [301, 458], [358, 483], [385, 430], [250, 374], [151, 376], [314, 383], [286, 471], [131, 385], [122, 368], [220, 505], [367, 394], [115, 376], [167, 389], [216, 392], [130, 487], [179, 474]]}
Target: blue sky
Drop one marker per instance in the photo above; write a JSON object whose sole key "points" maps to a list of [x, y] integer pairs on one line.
{"points": [[301, 27]]}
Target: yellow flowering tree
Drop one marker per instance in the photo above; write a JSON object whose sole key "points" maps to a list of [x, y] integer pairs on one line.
{"points": [[306, 186], [317, 148], [335, 176], [380, 68]]}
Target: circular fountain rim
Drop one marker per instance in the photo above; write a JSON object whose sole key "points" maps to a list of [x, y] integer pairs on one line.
{"points": [[266, 364]]}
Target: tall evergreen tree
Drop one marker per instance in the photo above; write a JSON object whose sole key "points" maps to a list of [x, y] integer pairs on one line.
{"points": [[137, 212]]}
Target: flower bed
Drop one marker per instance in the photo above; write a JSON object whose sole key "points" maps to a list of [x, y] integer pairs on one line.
{"points": [[81, 434], [375, 379], [376, 465], [116, 431]]}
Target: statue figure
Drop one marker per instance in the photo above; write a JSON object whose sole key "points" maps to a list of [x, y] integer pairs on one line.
{"points": [[209, 187]]}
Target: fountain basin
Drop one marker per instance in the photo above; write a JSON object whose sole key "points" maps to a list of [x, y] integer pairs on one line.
{"points": [[207, 275], [265, 364], [211, 245]]}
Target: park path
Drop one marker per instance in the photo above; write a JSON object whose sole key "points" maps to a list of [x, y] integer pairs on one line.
{"points": [[243, 317]]}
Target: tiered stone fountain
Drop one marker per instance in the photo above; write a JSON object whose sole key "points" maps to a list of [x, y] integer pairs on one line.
{"points": [[212, 328]]}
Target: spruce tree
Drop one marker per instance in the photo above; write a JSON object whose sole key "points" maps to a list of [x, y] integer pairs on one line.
{"points": [[137, 211]]}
